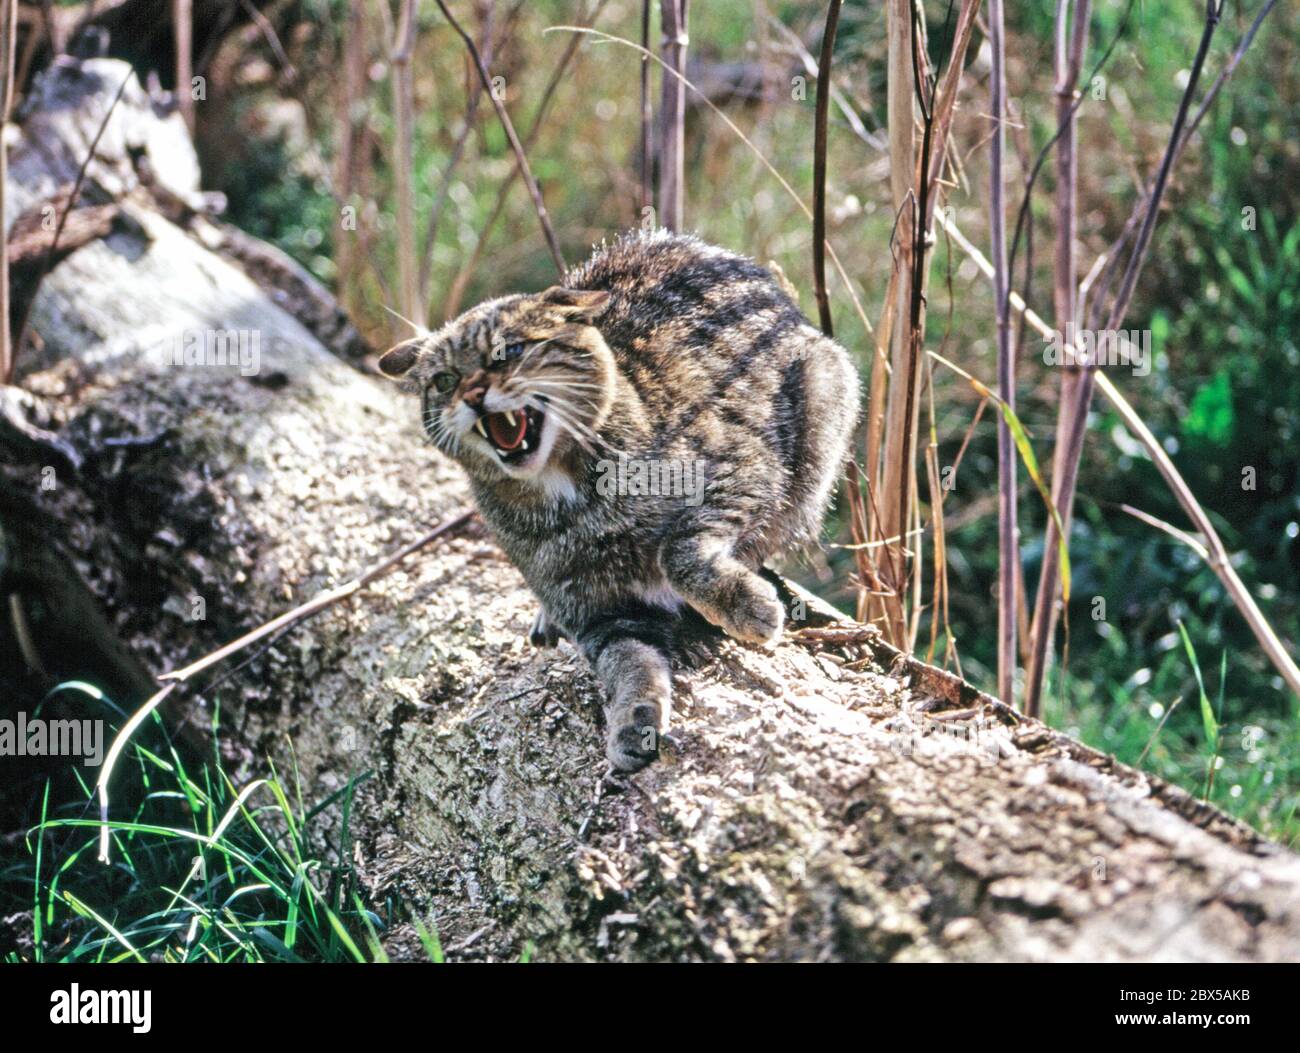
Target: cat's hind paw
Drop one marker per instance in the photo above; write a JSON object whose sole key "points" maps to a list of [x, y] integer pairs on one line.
{"points": [[633, 739]]}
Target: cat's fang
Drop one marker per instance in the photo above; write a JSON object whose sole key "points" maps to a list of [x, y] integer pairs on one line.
{"points": [[481, 430], [505, 429]]}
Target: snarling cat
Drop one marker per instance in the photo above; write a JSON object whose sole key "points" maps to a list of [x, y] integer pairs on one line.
{"points": [[641, 439]]}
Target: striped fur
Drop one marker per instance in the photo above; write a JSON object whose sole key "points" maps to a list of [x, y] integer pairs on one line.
{"points": [[693, 367]]}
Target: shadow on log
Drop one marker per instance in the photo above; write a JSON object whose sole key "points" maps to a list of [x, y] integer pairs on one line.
{"points": [[825, 801]]}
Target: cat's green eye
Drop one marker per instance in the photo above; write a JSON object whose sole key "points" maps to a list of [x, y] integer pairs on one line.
{"points": [[444, 382]]}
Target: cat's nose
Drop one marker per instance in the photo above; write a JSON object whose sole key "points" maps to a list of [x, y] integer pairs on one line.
{"points": [[475, 390]]}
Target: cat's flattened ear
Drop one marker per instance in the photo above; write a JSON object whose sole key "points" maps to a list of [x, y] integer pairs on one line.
{"points": [[397, 361], [579, 304]]}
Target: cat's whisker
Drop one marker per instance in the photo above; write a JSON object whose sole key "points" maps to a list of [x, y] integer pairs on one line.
{"points": [[555, 390], [560, 410], [589, 444], [438, 433], [571, 424], [584, 435], [573, 399], [560, 405], [580, 407], [563, 376], [531, 350], [557, 383]]}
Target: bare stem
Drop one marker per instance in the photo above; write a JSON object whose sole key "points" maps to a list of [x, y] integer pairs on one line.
{"points": [[403, 160], [819, 166], [21, 328], [672, 113], [1066, 473], [468, 124], [1008, 543], [521, 159], [647, 114], [459, 284], [1071, 42], [8, 34], [183, 34], [1221, 563], [896, 482]]}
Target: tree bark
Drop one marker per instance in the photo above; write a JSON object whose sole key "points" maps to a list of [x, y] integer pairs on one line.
{"points": [[828, 800]]}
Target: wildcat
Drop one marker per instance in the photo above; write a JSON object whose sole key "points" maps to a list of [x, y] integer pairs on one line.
{"points": [[640, 439]]}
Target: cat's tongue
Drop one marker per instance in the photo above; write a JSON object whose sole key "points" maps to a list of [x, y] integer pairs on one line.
{"points": [[506, 435]]}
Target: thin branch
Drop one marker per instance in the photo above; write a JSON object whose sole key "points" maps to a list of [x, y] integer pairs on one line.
{"points": [[1138, 257], [919, 259], [845, 107], [896, 481], [1071, 41], [1224, 75], [946, 98], [1023, 217], [8, 38], [1155, 734], [672, 114], [1008, 547], [452, 305], [1112, 256], [172, 680], [819, 166], [403, 87], [1170, 529], [468, 124], [272, 39], [1218, 559], [521, 159], [647, 114], [183, 37]]}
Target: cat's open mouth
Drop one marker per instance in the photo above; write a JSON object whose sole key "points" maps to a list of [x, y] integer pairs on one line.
{"points": [[512, 433]]}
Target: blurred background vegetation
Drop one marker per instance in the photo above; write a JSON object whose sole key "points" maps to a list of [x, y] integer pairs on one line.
{"points": [[306, 159]]}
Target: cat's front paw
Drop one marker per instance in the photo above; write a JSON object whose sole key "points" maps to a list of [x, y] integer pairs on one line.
{"points": [[753, 613], [543, 634], [633, 739]]}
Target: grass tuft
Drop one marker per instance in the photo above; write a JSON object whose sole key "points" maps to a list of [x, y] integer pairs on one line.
{"points": [[202, 871]]}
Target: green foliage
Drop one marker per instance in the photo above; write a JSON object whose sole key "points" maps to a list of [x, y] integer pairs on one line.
{"points": [[1210, 419], [271, 195]]}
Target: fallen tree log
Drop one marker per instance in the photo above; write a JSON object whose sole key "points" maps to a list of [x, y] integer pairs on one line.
{"points": [[825, 801]]}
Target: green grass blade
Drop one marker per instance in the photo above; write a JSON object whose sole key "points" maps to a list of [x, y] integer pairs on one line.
{"points": [[1210, 725]]}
